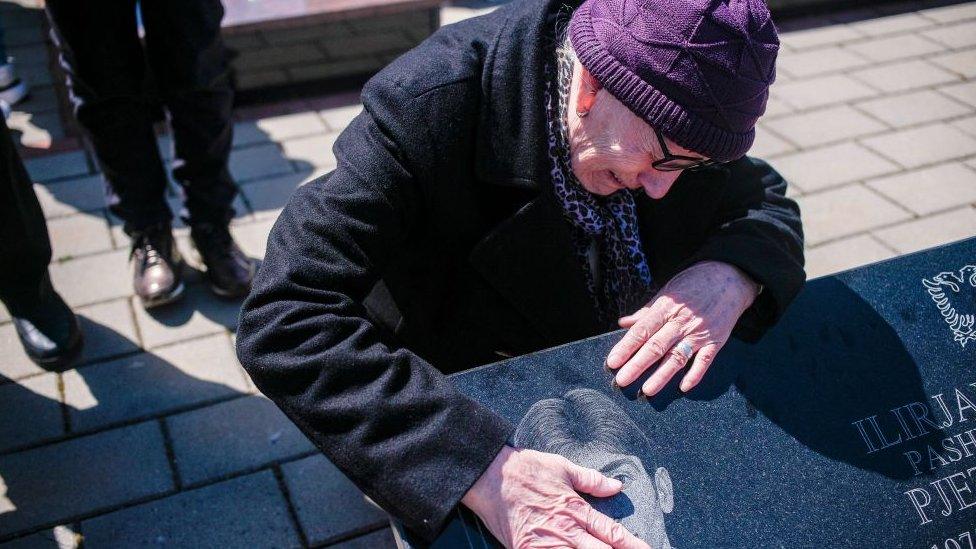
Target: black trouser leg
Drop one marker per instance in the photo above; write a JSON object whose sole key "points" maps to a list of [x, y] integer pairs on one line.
{"points": [[101, 53], [25, 248], [191, 68]]}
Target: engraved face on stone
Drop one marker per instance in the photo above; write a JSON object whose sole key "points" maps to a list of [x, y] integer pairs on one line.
{"points": [[588, 428]]}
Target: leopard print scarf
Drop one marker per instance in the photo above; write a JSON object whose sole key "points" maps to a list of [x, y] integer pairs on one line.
{"points": [[610, 220]]}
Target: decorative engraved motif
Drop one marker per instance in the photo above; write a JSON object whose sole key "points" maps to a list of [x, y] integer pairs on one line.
{"points": [[963, 326]]}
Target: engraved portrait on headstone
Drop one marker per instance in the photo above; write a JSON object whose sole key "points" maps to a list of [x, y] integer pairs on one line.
{"points": [[587, 428]]}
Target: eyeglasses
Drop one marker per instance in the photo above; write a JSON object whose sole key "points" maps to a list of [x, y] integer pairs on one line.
{"points": [[675, 162]]}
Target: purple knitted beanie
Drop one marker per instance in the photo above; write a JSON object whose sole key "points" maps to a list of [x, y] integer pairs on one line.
{"points": [[698, 70]]}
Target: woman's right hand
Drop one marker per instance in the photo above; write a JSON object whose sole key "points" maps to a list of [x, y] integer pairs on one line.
{"points": [[531, 499]]}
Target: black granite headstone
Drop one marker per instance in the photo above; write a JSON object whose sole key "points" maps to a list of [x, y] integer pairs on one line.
{"points": [[851, 424]]}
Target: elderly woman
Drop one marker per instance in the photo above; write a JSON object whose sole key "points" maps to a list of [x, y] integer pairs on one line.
{"points": [[507, 190]]}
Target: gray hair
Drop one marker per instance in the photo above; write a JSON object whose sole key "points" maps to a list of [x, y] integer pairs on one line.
{"points": [[582, 422]]}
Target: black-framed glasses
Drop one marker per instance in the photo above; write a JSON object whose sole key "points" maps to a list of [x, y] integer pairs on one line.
{"points": [[675, 162]]}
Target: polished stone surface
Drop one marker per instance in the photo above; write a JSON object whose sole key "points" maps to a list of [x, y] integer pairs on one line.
{"points": [[851, 424]]}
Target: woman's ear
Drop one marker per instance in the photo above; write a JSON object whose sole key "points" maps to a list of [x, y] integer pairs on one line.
{"points": [[587, 92], [665, 490]]}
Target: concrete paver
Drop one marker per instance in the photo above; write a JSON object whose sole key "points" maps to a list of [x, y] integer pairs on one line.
{"points": [[960, 62], [905, 75], [894, 47], [827, 125], [258, 161], [15, 364], [198, 313], [823, 60], [59, 537], [954, 36], [821, 91], [93, 473], [37, 398], [929, 190], [965, 92], [914, 108], [148, 384], [845, 254], [71, 196], [930, 231], [93, 278], [248, 511], [836, 165], [233, 436], [328, 505], [57, 166], [79, 234], [845, 211], [923, 145]]}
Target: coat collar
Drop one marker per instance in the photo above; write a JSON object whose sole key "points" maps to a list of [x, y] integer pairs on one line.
{"points": [[511, 144]]}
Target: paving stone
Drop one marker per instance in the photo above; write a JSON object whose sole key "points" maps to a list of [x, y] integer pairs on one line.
{"points": [[272, 194], [371, 43], [950, 14], [79, 234], [109, 330], [198, 313], [821, 91], [311, 152], [58, 482], [15, 364], [248, 133], [913, 108], [30, 411], [769, 144], [84, 194], [259, 161], [333, 69], [68, 164], [891, 24], [895, 47], [965, 92], [380, 539], [923, 145], [835, 165], [819, 61], [286, 126], [93, 278], [929, 190], [961, 62], [150, 384], [824, 125], [248, 511], [845, 211], [253, 237], [338, 118], [832, 34], [233, 436], [844, 254], [930, 231], [328, 505], [905, 76], [955, 36], [59, 537], [967, 125], [776, 107]]}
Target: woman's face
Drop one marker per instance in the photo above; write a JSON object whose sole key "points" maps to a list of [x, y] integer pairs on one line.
{"points": [[612, 148], [638, 507]]}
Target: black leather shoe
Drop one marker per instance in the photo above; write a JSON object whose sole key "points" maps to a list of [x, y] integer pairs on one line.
{"points": [[47, 329], [157, 267], [229, 271]]}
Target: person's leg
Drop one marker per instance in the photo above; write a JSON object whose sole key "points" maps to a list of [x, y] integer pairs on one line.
{"points": [[191, 69], [46, 326], [190, 65], [102, 56]]}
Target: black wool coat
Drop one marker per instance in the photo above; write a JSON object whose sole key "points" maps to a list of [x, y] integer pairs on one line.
{"points": [[442, 196]]}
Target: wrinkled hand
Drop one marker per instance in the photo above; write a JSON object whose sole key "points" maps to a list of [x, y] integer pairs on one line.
{"points": [[698, 309], [529, 499]]}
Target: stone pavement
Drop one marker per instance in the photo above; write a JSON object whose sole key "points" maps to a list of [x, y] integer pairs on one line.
{"points": [[156, 436]]}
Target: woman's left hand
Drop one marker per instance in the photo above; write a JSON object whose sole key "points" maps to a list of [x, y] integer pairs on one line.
{"points": [[692, 315]]}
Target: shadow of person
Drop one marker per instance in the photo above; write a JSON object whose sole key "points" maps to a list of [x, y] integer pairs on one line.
{"points": [[112, 454]]}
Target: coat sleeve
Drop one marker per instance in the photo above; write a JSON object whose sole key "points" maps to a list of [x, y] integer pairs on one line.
{"points": [[396, 426], [758, 230]]}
